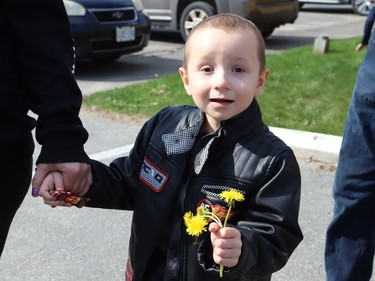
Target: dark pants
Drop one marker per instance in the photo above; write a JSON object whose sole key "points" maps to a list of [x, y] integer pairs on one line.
{"points": [[349, 251], [15, 175]]}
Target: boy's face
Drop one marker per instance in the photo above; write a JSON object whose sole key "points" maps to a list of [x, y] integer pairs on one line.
{"points": [[222, 73]]}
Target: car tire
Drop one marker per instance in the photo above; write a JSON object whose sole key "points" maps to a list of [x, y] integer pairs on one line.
{"points": [[267, 32], [194, 14], [61, 197], [80, 204], [362, 7]]}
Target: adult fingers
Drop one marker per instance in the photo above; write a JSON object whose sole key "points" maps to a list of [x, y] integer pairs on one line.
{"points": [[41, 172]]}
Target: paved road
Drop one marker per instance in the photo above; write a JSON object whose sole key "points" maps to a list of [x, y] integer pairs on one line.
{"points": [[86, 244]]}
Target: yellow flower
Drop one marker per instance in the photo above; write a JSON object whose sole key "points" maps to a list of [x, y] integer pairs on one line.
{"points": [[202, 211], [195, 225], [230, 196]]}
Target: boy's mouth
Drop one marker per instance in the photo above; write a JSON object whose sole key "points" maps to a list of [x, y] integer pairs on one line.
{"points": [[221, 101]]}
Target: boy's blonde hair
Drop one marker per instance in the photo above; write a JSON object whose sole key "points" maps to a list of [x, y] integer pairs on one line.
{"points": [[230, 22]]}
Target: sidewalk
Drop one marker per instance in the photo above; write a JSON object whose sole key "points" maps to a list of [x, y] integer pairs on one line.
{"points": [[312, 146]]}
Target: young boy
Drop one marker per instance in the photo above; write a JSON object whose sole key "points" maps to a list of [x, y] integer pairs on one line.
{"points": [[184, 157]]}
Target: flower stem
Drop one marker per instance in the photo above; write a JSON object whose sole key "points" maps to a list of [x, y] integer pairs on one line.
{"points": [[214, 217], [224, 225]]}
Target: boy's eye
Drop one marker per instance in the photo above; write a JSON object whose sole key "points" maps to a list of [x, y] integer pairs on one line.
{"points": [[238, 69], [207, 69]]}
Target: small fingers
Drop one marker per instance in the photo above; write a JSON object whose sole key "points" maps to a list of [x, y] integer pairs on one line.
{"points": [[77, 177], [227, 260], [227, 246]]}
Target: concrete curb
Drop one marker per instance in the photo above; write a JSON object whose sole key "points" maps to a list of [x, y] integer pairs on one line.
{"points": [[313, 146], [306, 145]]}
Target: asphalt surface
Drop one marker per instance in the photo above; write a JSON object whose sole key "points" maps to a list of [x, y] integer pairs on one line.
{"points": [[61, 244]]}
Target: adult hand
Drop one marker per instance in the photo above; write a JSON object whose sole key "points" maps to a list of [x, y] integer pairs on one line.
{"points": [[226, 244], [77, 176], [53, 181], [359, 47]]}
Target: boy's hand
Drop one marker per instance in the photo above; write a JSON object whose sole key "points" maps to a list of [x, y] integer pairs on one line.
{"points": [[226, 244], [53, 181]]}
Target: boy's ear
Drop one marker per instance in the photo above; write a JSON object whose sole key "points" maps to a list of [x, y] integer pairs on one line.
{"points": [[262, 82], [185, 79]]}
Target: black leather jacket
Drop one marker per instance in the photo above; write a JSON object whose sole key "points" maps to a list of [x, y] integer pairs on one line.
{"points": [[173, 169]]}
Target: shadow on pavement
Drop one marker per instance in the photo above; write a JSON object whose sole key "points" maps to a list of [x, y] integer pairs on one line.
{"points": [[276, 43], [129, 68]]}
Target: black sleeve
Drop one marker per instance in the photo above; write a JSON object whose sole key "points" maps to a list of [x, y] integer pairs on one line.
{"points": [[45, 59], [368, 26], [114, 186]]}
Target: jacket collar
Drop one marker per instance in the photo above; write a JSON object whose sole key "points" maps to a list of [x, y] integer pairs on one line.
{"points": [[248, 121], [183, 139]]}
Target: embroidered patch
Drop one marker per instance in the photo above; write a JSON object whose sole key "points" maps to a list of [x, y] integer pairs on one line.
{"points": [[153, 176], [219, 210]]}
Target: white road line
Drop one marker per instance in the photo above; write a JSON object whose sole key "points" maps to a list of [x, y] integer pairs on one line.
{"points": [[123, 150]]}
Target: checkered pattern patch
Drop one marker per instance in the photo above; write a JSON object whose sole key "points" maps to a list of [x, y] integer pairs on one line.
{"points": [[215, 190], [202, 156], [182, 141], [153, 176]]}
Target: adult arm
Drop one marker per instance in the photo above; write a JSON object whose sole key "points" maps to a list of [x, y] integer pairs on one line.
{"points": [[45, 60], [369, 23]]}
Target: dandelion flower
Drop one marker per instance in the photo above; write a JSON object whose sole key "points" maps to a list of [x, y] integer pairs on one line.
{"points": [[230, 196], [195, 225]]}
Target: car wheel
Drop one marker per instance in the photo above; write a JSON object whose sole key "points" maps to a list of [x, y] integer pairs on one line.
{"points": [[267, 32], [362, 7], [194, 14], [61, 197], [80, 204]]}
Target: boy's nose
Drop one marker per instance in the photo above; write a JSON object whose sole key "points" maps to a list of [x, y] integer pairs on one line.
{"points": [[221, 80]]}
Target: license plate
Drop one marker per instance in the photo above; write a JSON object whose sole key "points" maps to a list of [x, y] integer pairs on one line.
{"points": [[125, 33]]}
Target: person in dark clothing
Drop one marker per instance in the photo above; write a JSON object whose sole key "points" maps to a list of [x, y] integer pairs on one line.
{"points": [[36, 62], [185, 157], [350, 237], [369, 24]]}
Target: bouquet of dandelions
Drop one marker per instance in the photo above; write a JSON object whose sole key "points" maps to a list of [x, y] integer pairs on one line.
{"points": [[197, 224]]}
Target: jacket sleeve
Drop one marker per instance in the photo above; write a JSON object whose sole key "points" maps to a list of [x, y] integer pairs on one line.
{"points": [[45, 58], [269, 225], [114, 186], [368, 27]]}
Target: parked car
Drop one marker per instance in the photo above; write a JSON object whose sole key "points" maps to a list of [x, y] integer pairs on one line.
{"points": [[183, 15], [107, 29], [360, 7]]}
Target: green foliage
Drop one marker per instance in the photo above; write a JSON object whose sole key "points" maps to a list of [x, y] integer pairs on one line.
{"points": [[310, 91], [305, 91]]}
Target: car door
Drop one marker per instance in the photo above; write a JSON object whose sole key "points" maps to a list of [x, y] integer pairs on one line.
{"points": [[162, 13]]}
